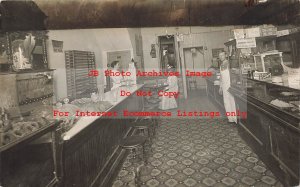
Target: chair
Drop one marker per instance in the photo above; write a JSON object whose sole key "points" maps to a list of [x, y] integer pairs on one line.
{"points": [[146, 127]]}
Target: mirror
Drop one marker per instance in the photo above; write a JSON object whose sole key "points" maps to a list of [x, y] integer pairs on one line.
{"points": [[4, 58], [27, 50]]}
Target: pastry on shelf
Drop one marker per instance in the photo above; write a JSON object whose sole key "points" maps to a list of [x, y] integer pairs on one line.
{"points": [[67, 120], [42, 111], [281, 104], [289, 93]]}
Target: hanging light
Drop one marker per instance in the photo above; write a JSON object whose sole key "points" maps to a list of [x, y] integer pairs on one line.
{"points": [[167, 35]]}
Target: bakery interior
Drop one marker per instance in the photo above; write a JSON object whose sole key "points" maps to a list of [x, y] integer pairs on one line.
{"points": [[54, 55]]}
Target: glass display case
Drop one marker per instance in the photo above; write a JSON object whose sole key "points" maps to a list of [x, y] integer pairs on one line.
{"points": [[270, 62], [270, 93], [283, 98]]}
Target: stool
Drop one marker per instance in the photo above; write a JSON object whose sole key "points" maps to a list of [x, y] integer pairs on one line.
{"points": [[146, 124], [132, 143], [193, 82]]}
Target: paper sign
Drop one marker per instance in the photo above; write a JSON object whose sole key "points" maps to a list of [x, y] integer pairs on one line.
{"points": [[239, 33], [246, 43]]}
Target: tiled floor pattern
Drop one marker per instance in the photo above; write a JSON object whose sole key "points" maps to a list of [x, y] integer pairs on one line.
{"points": [[199, 152]]}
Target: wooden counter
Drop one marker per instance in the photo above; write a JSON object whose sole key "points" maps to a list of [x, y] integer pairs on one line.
{"points": [[272, 132], [212, 91], [91, 148]]}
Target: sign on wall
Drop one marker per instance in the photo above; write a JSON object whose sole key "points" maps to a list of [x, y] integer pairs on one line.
{"points": [[153, 51], [57, 46], [245, 43]]}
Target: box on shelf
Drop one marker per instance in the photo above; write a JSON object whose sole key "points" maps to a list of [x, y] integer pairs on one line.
{"points": [[283, 32]]}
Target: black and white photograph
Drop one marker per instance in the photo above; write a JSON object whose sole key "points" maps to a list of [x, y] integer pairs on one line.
{"points": [[149, 93]]}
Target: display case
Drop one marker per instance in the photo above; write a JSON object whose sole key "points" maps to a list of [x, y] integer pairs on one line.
{"points": [[26, 164], [272, 125], [270, 62], [26, 114], [269, 93], [241, 60]]}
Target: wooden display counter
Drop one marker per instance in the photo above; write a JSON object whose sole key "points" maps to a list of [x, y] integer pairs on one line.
{"points": [[273, 132], [91, 148]]}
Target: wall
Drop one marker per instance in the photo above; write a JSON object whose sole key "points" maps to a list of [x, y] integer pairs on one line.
{"points": [[211, 37], [135, 35], [99, 41]]}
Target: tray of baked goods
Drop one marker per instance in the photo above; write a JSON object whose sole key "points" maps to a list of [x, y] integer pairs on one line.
{"points": [[16, 130]]}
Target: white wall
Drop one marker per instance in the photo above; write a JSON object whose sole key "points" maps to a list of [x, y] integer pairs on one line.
{"points": [[99, 41], [133, 33], [211, 37]]}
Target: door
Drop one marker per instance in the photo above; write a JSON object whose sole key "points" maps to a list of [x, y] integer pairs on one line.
{"points": [[194, 62], [167, 52], [124, 57]]}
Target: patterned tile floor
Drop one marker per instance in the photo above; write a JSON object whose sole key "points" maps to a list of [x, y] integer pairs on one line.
{"points": [[198, 152]]}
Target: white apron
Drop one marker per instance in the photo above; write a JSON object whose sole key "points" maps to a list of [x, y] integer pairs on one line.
{"points": [[132, 71], [169, 102], [229, 102], [116, 80]]}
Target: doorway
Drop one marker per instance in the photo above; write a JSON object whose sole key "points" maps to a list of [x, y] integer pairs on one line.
{"points": [[194, 62], [167, 51], [124, 57]]}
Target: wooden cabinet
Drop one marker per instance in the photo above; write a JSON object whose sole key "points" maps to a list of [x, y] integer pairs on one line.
{"points": [[78, 65], [25, 164], [289, 45]]}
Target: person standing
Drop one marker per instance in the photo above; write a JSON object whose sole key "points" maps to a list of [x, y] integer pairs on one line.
{"points": [[229, 102], [116, 80], [166, 101], [132, 70]]}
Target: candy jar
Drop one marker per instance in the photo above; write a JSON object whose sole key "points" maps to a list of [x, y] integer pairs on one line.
{"points": [[94, 97]]}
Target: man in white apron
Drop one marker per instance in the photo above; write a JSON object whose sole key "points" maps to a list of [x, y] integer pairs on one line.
{"points": [[229, 102]]}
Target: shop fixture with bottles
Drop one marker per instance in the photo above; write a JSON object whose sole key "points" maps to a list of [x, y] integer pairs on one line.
{"points": [[26, 98]]}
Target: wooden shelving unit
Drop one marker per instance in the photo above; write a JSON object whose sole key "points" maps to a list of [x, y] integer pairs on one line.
{"points": [[78, 66], [21, 143]]}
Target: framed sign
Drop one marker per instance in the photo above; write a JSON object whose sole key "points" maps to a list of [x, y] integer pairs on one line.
{"points": [[153, 51], [57, 46], [246, 43]]}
